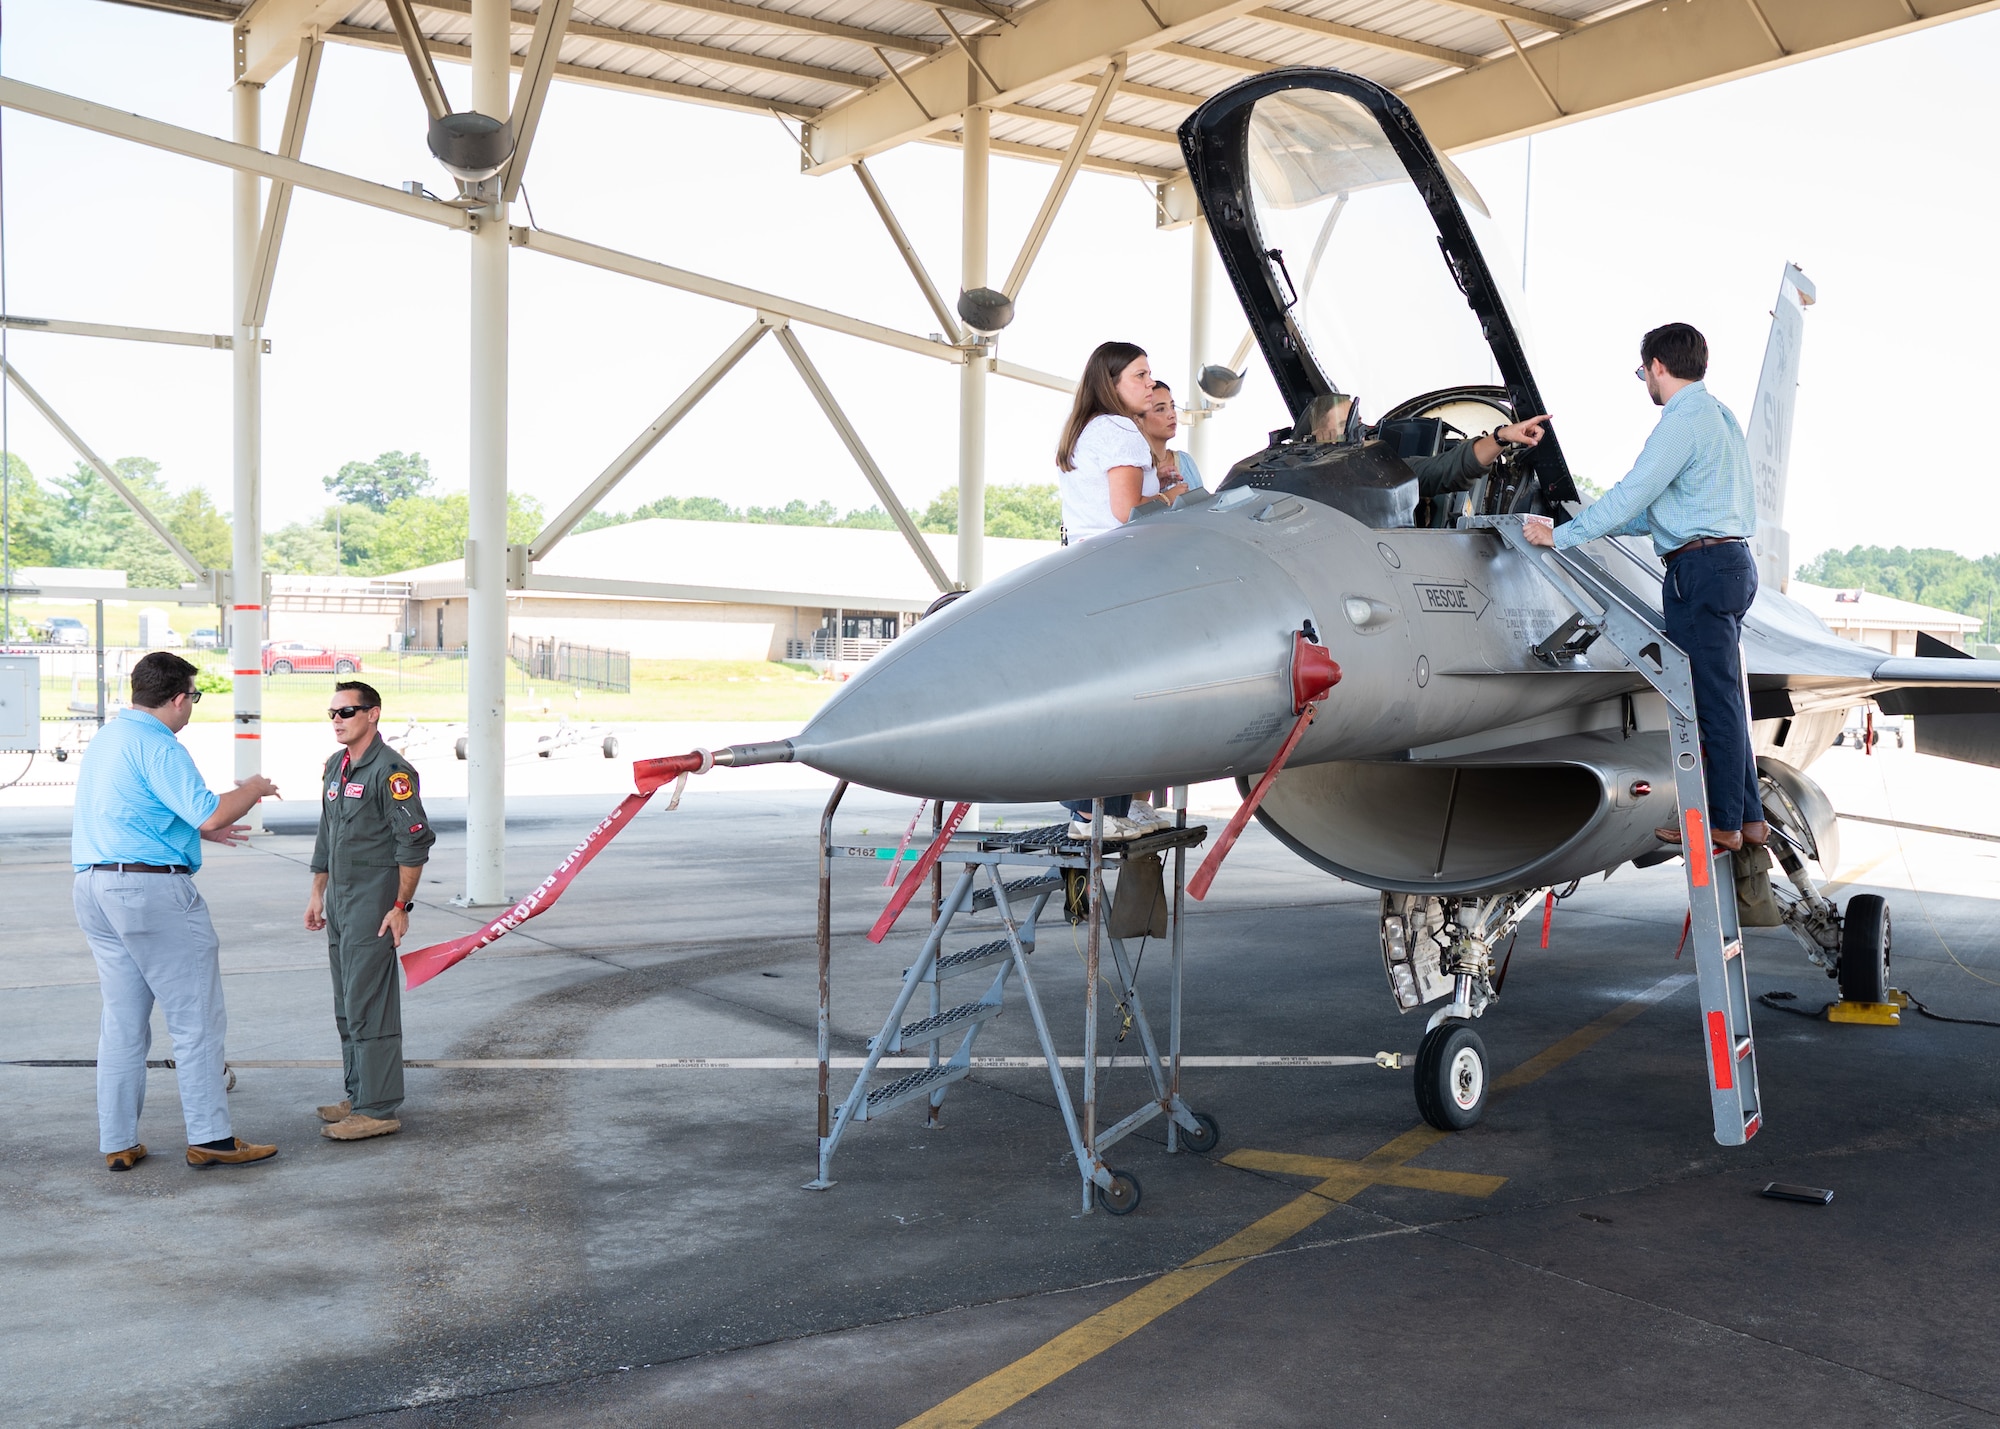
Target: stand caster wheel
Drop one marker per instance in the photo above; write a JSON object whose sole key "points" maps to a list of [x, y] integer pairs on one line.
{"points": [[1451, 1076], [1121, 1197], [459, 748], [1204, 1141], [1864, 949], [610, 747]]}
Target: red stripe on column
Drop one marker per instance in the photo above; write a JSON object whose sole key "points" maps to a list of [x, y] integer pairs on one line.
{"points": [[246, 607], [1718, 1052], [246, 672], [241, 735]]}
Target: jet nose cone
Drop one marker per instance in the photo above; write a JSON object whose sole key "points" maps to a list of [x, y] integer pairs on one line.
{"points": [[1156, 654]]}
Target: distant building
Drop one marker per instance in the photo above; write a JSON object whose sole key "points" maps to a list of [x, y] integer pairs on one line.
{"points": [[1882, 621], [740, 591]]}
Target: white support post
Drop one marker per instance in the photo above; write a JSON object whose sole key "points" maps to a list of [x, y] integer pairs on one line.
{"points": [[246, 617], [972, 376], [1200, 275], [486, 543]]}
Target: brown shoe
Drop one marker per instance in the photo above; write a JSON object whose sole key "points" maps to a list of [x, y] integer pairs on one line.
{"points": [[201, 1158], [1729, 839], [356, 1127], [335, 1113], [1669, 835], [124, 1160], [1756, 831]]}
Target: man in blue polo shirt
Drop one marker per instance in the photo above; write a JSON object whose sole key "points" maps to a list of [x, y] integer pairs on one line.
{"points": [[141, 814]]}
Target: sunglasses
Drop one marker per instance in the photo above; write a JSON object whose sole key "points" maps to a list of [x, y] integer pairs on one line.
{"points": [[1640, 372], [347, 711]]}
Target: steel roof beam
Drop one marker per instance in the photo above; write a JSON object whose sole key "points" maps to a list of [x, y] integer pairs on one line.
{"points": [[1501, 10], [268, 33], [218, 340], [538, 67], [1095, 163], [1652, 52], [666, 44], [1374, 39], [1133, 89], [102, 468], [84, 114], [411, 37], [278, 203], [1047, 44], [1038, 231], [588, 499], [602, 78], [947, 319], [851, 439], [804, 25], [1104, 126]]}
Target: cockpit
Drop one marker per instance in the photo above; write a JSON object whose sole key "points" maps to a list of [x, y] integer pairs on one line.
{"points": [[1366, 263]]}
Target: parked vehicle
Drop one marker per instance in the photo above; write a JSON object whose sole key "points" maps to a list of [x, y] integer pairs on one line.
{"points": [[67, 630], [296, 657], [206, 638]]}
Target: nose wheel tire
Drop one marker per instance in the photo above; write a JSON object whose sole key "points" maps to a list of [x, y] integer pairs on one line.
{"points": [[1864, 949], [1204, 1141], [1121, 1197], [1451, 1076]]}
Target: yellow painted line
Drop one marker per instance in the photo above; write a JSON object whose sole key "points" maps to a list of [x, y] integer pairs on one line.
{"points": [[1852, 876], [1039, 1368], [1416, 1178]]}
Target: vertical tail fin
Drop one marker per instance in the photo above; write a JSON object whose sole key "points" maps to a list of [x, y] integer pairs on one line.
{"points": [[1770, 434]]}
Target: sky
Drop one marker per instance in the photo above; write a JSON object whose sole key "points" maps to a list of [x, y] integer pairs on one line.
{"points": [[1869, 168]]}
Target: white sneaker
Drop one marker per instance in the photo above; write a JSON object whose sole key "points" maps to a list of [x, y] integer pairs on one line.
{"points": [[1150, 819], [1115, 829]]}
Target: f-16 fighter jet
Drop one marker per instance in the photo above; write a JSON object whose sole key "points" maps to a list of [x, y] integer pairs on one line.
{"points": [[1503, 723]]}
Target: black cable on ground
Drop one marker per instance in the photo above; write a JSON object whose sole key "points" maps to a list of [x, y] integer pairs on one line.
{"points": [[1940, 1017], [1776, 1002]]}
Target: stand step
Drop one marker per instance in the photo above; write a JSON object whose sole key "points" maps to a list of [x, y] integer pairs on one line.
{"points": [[933, 1029], [973, 959], [907, 1089], [1024, 887]]}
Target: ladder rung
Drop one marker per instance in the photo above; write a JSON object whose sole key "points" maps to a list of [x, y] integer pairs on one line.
{"points": [[973, 959], [1036, 883], [1751, 1123], [1731, 949], [1742, 1048], [917, 1084], [931, 1029]]}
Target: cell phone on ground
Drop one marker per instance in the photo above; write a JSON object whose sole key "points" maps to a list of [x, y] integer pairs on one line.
{"points": [[1811, 1195]]}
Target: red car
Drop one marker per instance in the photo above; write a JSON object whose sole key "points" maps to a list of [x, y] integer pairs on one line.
{"points": [[296, 657]]}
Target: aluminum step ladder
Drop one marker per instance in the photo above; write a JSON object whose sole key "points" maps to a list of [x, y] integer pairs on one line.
{"points": [[1605, 607]]}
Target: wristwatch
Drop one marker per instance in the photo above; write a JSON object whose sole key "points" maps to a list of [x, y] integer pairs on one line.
{"points": [[409, 907]]}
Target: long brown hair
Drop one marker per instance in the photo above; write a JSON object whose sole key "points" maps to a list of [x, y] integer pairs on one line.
{"points": [[1096, 395]]}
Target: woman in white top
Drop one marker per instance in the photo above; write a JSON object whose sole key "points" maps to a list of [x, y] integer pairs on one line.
{"points": [[1107, 474], [1106, 465], [1157, 424]]}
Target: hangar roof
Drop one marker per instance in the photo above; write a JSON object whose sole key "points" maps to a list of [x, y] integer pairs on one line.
{"points": [[862, 76]]}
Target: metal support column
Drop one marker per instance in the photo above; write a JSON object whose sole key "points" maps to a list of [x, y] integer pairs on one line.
{"points": [[486, 542], [1199, 274], [246, 622], [972, 376]]}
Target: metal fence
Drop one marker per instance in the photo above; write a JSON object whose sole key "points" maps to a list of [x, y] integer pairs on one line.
{"points": [[568, 664]]}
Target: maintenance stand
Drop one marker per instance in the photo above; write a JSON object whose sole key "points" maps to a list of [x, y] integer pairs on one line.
{"points": [[1049, 859]]}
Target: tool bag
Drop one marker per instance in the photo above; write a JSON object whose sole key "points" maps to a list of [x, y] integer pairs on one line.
{"points": [[1139, 903], [1756, 904]]}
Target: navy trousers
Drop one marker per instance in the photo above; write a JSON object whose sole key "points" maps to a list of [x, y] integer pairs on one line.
{"points": [[1708, 592], [1116, 806]]}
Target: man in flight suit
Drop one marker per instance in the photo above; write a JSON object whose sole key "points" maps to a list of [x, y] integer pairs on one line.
{"points": [[374, 838]]}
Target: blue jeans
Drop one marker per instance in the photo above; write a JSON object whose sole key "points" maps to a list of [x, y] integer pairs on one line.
{"points": [[1116, 806], [153, 941], [1708, 591]]}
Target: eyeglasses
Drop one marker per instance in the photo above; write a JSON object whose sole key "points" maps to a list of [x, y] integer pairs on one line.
{"points": [[194, 697], [1640, 372], [347, 711]]}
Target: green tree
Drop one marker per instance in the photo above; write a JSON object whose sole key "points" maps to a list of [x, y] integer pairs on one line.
{"points": [[88, 523], [427, 530], [196, 523], [869, 518], [28, 512], [794, 513], [304, 548], [379, 484], [1030, 513], [1928, 576], [687, 508]]}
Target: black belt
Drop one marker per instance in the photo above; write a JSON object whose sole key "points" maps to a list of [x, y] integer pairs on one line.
{"points": [[144, 867]]}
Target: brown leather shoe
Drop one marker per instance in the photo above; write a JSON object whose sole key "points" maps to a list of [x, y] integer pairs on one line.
{"points": [[356, 1127], [1756, 831], [335, 1113], [1668, 835], [201, 1158], [1730, 839], [124, 1160]]}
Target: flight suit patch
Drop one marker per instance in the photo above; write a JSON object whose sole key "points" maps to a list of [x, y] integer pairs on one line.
{"points": [[355, 791], [401, 787], [333, 790], [416, 828]]}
